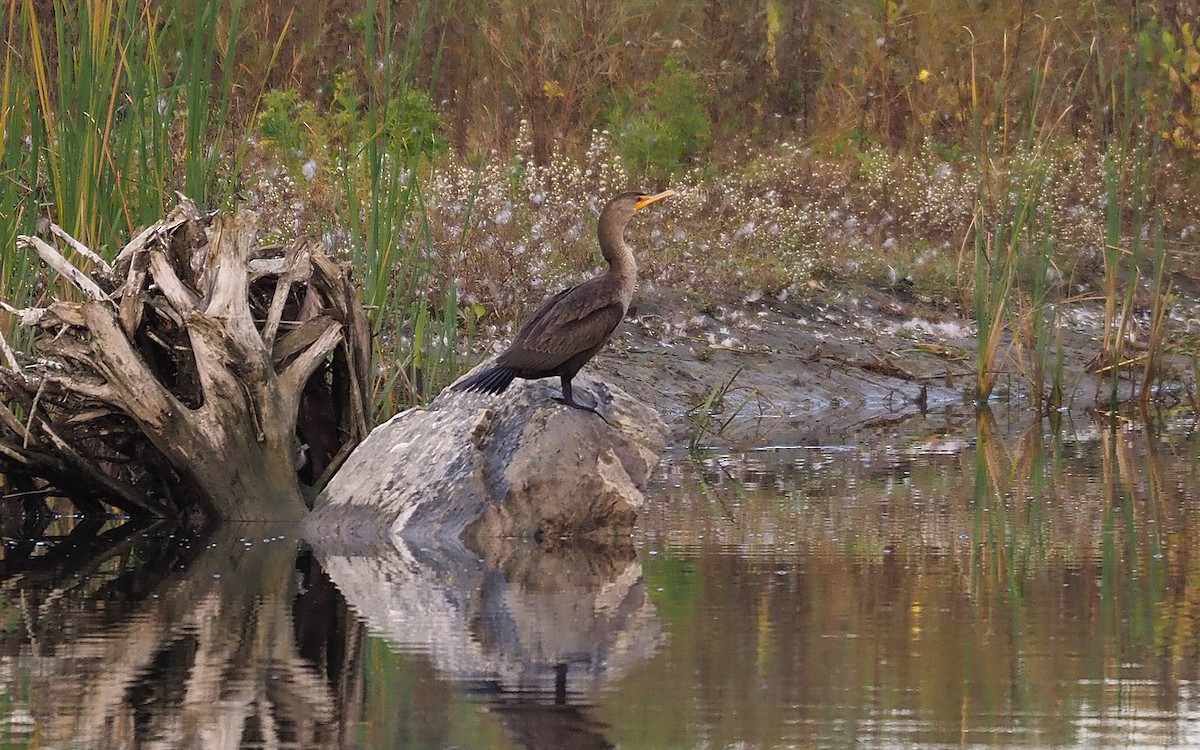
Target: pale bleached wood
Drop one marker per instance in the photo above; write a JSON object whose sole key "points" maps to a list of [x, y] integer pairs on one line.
{"points": [[89, 416], [300, 337], [174, 353], [182, 213], [260, 267], [214, 359], [88, 389], [29, 316], [37, 396], [130, 384], [10, 357], [13, 453], [312, 306], [298, 257], [301, 369], [177, 293], [63, 267], [144, 239], [228, 257], [133, 293], [9, 419], [100, 263], [58, 314], [359, 354], [66, 313]]}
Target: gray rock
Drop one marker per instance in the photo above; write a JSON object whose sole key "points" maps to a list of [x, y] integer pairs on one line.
{"points": [[474, 469]]}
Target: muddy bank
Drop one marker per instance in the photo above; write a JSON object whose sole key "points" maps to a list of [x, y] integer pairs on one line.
{"points": [[839, 366]]}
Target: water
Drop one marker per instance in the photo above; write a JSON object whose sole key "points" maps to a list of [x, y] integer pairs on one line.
{"points": [[1020, 590]]}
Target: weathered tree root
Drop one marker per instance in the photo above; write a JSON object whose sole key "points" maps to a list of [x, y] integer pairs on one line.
{"points": [[201, 371]]}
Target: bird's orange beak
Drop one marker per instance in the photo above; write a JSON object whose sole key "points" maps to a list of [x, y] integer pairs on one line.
{"points": [[646, 200]]}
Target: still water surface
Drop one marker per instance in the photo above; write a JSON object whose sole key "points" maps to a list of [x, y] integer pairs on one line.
{"points": [[1038, 589]]}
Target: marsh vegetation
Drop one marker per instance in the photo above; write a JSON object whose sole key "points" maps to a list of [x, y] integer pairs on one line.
{"points": [[1005, 163], [943, 203]]}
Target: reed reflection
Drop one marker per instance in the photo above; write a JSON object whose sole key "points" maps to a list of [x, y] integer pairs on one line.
{"points": [[1036, 587], [1025, 587]]}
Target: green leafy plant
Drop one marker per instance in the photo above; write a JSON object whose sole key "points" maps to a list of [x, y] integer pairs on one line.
{"points": [[1178, 55], [283, 120], [411, 125], [671, 129]]}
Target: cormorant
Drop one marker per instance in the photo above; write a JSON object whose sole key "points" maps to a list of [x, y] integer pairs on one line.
{"points": [[570, 327]]}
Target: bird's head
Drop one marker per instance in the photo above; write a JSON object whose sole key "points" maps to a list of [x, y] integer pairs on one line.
{"points": [[622, 208], [645, 199]]}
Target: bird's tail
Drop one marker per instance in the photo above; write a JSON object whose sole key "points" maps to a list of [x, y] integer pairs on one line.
{"points": [[492, 380]]}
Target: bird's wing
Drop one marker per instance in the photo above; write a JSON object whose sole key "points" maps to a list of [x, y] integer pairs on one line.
{"points": [[565, 325]]}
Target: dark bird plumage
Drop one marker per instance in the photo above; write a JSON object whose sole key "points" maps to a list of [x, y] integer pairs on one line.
{"points": [[570, 327]]}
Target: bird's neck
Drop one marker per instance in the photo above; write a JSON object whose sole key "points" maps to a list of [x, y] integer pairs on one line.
{"points": [[620, 258]]}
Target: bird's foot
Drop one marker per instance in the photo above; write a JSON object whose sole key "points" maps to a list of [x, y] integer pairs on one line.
{"points": [[583, 407]]}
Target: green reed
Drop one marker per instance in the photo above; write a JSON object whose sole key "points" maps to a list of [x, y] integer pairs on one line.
{"points": [[18, 172], [1162, 299], [1016, 272], [706, 416], [133, 101], [1007, 230], [107, 111], [1132, 249], [78, 68], [416, 321], [1038, 338]]}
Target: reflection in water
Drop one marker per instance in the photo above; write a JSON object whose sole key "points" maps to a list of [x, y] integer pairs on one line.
{"points": [[1034, 590], [132, 637], [1038, 590], [535, 633], [162, 640]]}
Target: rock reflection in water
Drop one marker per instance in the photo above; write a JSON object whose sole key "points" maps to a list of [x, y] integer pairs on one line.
{"points": [[534, 633]]}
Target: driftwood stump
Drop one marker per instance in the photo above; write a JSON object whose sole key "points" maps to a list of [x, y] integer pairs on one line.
{"points": [[200, 371]]}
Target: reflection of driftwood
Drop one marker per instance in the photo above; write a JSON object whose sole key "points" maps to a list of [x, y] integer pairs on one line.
{"points": [[207, 658], [196, 357]]}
